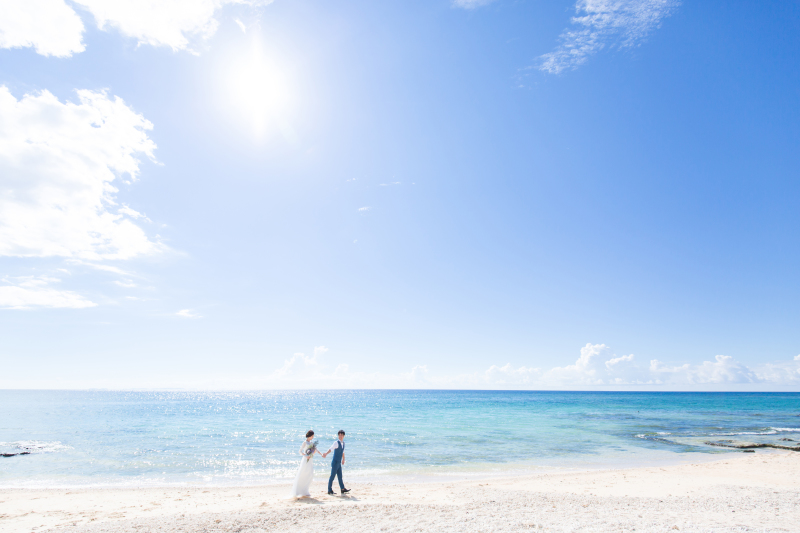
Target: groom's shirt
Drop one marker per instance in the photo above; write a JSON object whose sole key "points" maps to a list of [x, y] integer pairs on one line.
{"points": [[336, 444]]}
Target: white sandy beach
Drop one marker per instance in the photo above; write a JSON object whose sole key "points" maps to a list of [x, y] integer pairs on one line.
{"points": [[740, 492]]}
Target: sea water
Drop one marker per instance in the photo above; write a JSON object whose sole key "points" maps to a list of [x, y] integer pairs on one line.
{"points": [[68, 438]]}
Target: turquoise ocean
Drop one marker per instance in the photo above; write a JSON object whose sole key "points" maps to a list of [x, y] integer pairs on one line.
{"points": [[96, 438]]}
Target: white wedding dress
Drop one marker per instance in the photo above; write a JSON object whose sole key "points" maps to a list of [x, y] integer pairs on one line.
{"points": [[305, 474]]}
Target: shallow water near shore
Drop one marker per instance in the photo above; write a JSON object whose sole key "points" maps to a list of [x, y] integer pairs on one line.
{"points": [[94, 438]]}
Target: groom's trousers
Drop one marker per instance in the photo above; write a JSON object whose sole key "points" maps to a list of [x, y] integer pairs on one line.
{"points": [[336, 470]]}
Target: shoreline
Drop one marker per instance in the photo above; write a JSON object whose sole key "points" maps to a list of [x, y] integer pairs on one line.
{"points": [[429, 474], [737, 492]]}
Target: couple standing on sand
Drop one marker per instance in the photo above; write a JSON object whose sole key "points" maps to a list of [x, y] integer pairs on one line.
{"points": [[302, 481]]}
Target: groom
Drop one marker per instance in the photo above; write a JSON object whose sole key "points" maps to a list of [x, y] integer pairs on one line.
{"points": [[336, 465]]}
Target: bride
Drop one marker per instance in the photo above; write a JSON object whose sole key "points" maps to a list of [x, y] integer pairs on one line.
{"points": [[302, 481]]}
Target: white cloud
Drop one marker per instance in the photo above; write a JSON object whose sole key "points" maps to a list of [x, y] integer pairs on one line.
{"points": [[724, 369], [35, 291], [785, 373], [169, 23], [601, 23], [241, 25], [302, 371], [188, 313], [419, 374], [613, 362], [105, 268], [296, 365], [58, 163], [586, 370], [125, 210], [51, 27], [319, 350], [312, 371], [471, 4], [507, 376], [364, 209]]}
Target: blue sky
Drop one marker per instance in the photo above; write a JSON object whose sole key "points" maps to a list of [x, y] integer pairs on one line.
{"points": [[506, 194]]}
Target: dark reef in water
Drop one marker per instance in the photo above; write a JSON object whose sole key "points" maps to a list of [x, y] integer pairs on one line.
{"points": [[751, 445], [14, 454]]}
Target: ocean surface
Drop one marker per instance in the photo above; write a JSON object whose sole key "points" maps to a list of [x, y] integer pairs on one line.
{"points": [[94, 438]]}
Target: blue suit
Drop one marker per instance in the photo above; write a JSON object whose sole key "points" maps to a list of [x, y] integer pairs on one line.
{"points": [[336, 466]]}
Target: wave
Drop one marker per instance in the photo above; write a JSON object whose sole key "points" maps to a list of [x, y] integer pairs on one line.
{"points": [[687, 438], [733, 434], [660, 435], [28, 447], [768, 431]]}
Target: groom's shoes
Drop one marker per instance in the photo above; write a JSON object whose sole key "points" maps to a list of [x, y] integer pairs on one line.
{"points": [[345, 491], [331, 493]]}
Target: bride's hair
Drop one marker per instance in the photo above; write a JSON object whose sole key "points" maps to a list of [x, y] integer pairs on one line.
{"points": [[310, 433]]}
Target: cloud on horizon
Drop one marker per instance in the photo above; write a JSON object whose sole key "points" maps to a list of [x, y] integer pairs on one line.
{"points": [[605, 23], [596, 368]]}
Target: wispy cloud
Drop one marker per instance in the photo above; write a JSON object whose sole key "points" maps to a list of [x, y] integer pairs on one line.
{"points": [[104, 268], [364, 209], [30, 292], [391, 183], [188, 313], [605, 23], [471, 4], [125, 210]]}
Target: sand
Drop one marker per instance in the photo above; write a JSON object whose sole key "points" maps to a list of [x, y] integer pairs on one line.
{"points": [[739, 492]]}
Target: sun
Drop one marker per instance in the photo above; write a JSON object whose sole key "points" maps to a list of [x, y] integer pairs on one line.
{"points": [[260, 91]]}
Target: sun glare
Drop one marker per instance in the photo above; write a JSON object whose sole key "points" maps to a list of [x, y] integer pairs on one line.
{"points": [[260, 91]]}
